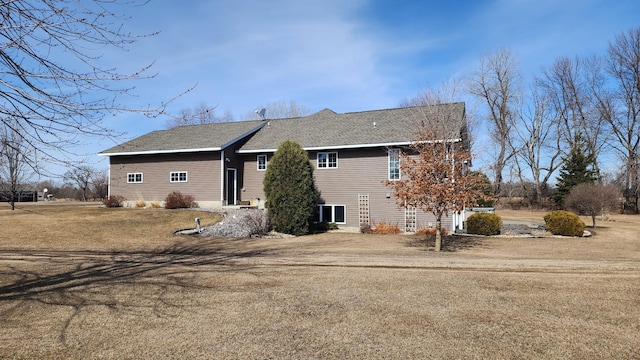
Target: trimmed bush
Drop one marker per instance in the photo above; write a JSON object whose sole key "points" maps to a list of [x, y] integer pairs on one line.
{"points": [[176, 200], [566, 223], [484, 224], [113, 201]]}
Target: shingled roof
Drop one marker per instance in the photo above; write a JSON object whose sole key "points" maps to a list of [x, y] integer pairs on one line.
{"points": [[329, 130], [190, 138], [322, 130]]}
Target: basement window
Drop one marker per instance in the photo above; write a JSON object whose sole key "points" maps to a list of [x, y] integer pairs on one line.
{"points": [[332, 213]]}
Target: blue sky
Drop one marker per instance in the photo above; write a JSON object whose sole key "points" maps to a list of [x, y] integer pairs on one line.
{"points": [[343, 55]]}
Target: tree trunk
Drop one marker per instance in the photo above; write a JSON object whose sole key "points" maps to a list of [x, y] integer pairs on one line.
{"points": [[593, 220], [438, 234]]}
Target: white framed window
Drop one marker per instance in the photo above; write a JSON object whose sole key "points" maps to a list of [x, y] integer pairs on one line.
{"points": [[262, 162], [178, 176], [327, 160], [332, 213], [134, 178], [394, 164]]}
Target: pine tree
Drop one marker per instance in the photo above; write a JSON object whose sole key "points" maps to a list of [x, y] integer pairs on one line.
{"points": [[577, 168], [290, 190]]}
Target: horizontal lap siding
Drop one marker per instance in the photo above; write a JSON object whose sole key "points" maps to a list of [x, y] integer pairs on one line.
{"points": [[203, 176], [252, 188], [359, 171]]}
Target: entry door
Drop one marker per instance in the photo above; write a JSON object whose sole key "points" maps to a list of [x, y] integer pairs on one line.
{"points": [[231, 186]]}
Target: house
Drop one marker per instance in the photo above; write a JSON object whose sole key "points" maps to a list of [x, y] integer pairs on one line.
{"points": [[224, 164]]}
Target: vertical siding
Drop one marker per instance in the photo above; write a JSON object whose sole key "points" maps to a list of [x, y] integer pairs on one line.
{"points": [[203, 176], [359, 171]]}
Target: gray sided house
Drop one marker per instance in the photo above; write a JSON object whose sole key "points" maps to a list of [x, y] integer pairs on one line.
{"points": [[222, 164]]}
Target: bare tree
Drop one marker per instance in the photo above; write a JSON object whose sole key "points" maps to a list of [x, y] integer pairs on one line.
{"points": [[278, 110], [100, 183], [53, 78], [620, 106], [592, 199], [14, 169], [497, 83], [566, 85], [81, 177], [536, 140], [201, 114]]}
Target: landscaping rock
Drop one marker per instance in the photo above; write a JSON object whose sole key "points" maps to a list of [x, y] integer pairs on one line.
{"points": [[241, 223]]}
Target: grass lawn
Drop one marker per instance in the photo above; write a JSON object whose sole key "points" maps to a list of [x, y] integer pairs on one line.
{"points": [[85, 282]]}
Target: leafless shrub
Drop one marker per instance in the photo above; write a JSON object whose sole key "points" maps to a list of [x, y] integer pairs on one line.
{"points": [[365, 228], [113, 201], [593, 200], [385, 229], [177, 200]]}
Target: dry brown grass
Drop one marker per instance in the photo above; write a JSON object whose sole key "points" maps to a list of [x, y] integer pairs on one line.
{"points": [[382, 228], [430, 231], [143, 293], [91, 226]]}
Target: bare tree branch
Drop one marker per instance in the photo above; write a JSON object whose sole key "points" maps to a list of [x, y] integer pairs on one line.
{"points": [[52, 75]]}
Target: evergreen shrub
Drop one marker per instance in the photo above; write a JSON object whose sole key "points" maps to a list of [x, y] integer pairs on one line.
{"points": [[484, 224], [289, 186], [562, 222]]}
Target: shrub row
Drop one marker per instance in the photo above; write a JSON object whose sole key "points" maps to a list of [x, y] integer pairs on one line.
{"points": [[175, 200]]}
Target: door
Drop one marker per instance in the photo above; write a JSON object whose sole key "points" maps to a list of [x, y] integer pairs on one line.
{"points": [[232, 178]]}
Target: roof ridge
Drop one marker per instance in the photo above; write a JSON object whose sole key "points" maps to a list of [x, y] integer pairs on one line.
{"points": [[402, 108]]}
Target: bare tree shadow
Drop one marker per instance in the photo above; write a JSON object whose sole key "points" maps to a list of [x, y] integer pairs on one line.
{"points": [[79, 279], [450, 243]]}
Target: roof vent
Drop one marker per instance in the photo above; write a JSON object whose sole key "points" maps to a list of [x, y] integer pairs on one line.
{"points": [[374, 124]]}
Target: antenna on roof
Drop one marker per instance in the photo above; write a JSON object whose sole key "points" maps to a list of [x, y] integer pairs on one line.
{"points": [[261, 113]]}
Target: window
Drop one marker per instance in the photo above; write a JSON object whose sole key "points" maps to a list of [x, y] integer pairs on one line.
{"points": [[394, 164], [327, 160], [331, 213], [178, 176], [134, 177], [262, 162]]}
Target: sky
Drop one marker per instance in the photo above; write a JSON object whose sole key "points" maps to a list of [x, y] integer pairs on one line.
{"points": [[345, 55]]}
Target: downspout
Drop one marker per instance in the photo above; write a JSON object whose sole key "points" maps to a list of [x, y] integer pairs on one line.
{"points": [[109, 179], [221, 178]]}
